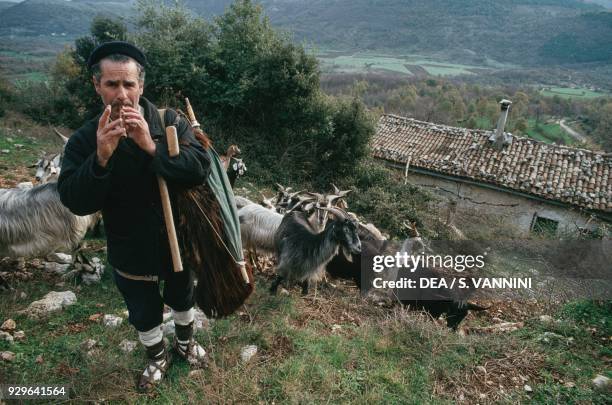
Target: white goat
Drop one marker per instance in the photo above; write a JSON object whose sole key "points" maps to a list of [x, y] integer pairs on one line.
{"points": [[33, 222], [242, 201], [258, 226]]}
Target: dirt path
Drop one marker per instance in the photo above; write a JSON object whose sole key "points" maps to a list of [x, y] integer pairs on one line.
{"points": [[571, 132]]}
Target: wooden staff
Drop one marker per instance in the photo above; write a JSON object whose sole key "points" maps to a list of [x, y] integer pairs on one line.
{"points": [[173, 151], [190, 113]]}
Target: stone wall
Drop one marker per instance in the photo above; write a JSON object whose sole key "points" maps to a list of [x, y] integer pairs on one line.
{"points": [[514, 209]]}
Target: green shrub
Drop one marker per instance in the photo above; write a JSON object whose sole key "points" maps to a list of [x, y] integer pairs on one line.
{"points": [[380, 195], [248, 84]]}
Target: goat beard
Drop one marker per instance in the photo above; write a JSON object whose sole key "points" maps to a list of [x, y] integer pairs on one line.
{"points": [[221, 289]]}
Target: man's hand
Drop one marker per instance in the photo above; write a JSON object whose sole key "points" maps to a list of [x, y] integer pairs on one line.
{"points": [[138, 130], [108, 136]]}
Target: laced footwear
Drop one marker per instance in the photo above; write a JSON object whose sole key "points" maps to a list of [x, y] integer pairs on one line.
{"points": [[159, 362], [186, 347]]}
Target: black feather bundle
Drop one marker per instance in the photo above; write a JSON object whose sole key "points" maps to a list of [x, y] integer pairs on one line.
{"points": [[221, 286]]}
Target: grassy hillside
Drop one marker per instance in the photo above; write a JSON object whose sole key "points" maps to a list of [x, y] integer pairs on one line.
{"points": [[334, 346], [569, 92]]}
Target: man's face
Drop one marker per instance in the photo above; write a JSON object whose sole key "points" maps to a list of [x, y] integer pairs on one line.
{"points": [[119, 84]]}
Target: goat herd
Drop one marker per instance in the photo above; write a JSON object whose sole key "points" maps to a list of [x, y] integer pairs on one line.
{"points": [[311, 234]]}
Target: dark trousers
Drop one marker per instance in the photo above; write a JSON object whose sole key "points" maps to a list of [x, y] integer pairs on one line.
{"points": [[146, 305]]}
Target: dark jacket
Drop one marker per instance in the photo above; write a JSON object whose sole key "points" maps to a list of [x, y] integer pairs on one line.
{"points": [[126, 190]]}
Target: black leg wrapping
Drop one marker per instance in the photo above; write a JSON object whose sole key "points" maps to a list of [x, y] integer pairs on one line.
{"points": [[157, 351], [184, 332]]}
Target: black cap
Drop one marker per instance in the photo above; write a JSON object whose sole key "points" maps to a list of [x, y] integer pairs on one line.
{"points": [[116, 47]]}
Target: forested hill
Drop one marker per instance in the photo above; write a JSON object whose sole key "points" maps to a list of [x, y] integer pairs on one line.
{"points": [[43, 17], [5, 4], [605, 3], [515, 31], [522, 32]]}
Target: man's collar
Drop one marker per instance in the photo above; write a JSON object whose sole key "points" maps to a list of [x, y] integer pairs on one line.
{"points": [[149, 111]]}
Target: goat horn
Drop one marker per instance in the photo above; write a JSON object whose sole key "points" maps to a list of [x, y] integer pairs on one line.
{"points": [[337, 212], [412, 229], [339, 192], [264, 198], [332, 197], [297, 205], [306, 198], [320, 197], [232, 150], [296, 193], [62, 136]]}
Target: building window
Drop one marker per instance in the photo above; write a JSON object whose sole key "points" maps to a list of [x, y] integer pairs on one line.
{"points": [[542, 225]]}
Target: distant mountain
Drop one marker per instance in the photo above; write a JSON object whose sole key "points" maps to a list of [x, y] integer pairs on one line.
{"points": [[521, 32], [605, 3], [514, 31], [6, 4], [43, 17]]}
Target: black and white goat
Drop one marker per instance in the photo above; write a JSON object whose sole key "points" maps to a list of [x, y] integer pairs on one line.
{"points": [[236, 169], [441, 301], [233, 165], [372, 243], [303, 253], [285, 199], [316, 206], [34, 222], [49, 165]]}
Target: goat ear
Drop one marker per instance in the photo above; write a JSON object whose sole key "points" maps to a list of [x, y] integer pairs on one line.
{"points": [[347, 255]]}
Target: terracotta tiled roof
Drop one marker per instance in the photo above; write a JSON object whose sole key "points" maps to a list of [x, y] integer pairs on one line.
{"points": [[575, 176]]}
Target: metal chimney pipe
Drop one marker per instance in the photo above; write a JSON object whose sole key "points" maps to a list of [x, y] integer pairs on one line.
{"points": [[499, 138]]}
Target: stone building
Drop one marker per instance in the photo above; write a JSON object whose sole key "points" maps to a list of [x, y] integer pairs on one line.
{"points": [[536, 186]]}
